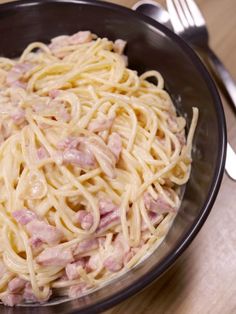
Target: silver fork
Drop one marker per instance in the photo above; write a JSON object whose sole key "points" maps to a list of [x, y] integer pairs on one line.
{"points": [[189, 23]]}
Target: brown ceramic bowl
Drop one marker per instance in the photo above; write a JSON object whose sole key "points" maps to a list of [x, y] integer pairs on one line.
{"points": [[150, 46]]}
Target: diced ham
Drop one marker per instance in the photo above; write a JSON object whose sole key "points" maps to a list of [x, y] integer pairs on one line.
{"points": [[55, 256], [87, 153], [42, 153], [16, 285], [19, 84], [77, 291], [99, 125], [172, 122], [125, 59], [54, 93], [115, 261], [56, 109], [83, 159], [115, 144], [64, 40], [93, 262], [39, 106], [24, 216], [181, 137], [128, 256], [17, 72], [85, 219], [35, 242], [85, 246], [29, 295], [59, 42], [69, 142], [44, 232], [159, 205], [12, 299], [113, 264], [121, 243], [106, 206], [81, 37], [72, 269], [108, 221], [79, 216], [154, 218], [63, 114], [18, 116], [119, 46]]}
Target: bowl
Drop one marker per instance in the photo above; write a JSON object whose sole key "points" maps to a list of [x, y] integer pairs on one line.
{"points": [[150, 46]]}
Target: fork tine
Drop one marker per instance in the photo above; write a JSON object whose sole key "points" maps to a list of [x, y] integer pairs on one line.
{"points": [[175, 20], [181, 14], [195, 13], [187, 12]]}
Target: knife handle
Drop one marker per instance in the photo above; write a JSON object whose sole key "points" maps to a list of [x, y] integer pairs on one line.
{"points": [[223, 78]]}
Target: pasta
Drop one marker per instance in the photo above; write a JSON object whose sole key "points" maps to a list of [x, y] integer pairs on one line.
{"points": [[92, 158]]}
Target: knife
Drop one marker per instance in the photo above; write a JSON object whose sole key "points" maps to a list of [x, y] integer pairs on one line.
{"points": [[230, 165]]}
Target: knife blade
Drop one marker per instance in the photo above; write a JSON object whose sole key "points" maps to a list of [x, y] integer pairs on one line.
{"points": [[230, 165]]}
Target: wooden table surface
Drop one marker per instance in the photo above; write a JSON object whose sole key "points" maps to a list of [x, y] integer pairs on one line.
{"points": [[204, 278]]}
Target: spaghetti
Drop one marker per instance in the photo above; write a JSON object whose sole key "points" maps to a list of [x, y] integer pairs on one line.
{"points": [[91, 160]]}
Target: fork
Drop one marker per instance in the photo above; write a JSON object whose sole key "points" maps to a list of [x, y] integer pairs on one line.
{"points": [[189, 23]]}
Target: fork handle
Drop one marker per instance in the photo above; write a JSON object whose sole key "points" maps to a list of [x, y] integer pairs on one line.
{"points": [[223, 77]]}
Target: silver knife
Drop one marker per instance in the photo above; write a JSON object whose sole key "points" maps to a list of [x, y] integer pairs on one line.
{"points": [[230, 165]]}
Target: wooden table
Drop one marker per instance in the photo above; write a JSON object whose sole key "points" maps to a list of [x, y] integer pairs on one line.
{"points": [[204, 279]]}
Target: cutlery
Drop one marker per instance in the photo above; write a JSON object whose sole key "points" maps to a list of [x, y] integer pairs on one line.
{"points": [[188, 22], [157, 12], [230, 165]]}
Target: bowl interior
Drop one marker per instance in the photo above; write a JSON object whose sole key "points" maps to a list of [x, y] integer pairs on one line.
{"points": [[150, 46]]}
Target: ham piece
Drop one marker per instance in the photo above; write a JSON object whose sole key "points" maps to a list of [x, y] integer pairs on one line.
{"points": [[44, 232], [16, 285], [16, 73], [29, 295], [85, 219], [77, 290], [108, 221], [24, 216], [83, 159], [159, 205], [81, 37], [106, 206], [12, 299], [99, 125], [55, 256], [119, 46], [40, 231], [72, 269], [85, 246], [115, 144], [116, 260]]}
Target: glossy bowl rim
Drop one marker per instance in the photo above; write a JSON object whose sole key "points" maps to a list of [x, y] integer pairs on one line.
{"points": [[198, 222]]}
